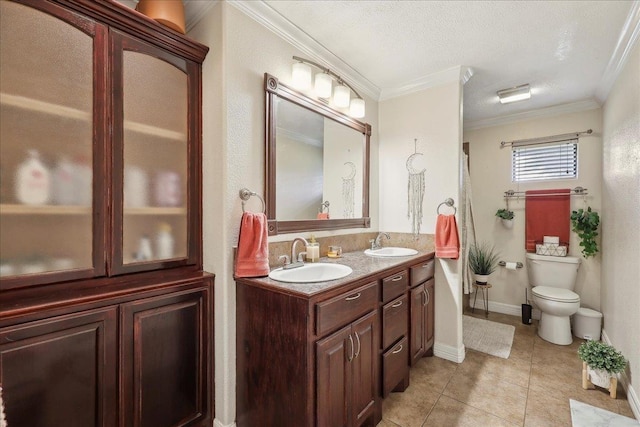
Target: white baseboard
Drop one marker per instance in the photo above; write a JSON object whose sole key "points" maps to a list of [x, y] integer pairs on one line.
{"points": [[632, 397], [499, 307], [218, 423], [448, 352]]}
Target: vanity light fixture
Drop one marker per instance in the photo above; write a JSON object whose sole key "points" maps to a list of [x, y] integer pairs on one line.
{"points": [[323, 85], [518, 93]]}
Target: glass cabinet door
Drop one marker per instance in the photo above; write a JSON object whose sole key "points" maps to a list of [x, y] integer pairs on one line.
{"points": [[48, 231], [151, 158]]}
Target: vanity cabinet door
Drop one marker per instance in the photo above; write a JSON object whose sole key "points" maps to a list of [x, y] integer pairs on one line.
{"points": [[418, 323], [347, 374], [156, 201], [61, 371]]}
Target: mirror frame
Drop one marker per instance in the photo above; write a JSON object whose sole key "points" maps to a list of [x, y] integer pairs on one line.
{"points": [[274, 89]]}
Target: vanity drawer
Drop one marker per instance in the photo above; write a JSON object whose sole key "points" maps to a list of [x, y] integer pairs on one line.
{"points": [[395, 366], [394, 320], [422, 272], [394, 286], [344, 308]]}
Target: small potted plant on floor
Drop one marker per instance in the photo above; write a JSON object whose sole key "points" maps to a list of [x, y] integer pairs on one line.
{"points": [[506, 217], [600, 363], [483, 260]]}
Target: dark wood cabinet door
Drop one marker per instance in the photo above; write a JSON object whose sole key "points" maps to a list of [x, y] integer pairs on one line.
{"points": [[61, 371], [334, 355], [430, 314], [364, 367], [164, 366], [418, 323]]}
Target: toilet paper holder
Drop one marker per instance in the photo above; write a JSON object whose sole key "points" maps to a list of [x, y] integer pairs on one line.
{"points": [[504, 264]]}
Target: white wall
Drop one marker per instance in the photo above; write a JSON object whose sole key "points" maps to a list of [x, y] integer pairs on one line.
{"points": [[234, 155], [621, 220], [433, 117], [490, 171]]}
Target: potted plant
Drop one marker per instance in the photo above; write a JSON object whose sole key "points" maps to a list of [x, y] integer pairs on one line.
{"points": [[483, 260], [506, 216], [600, 363], [585, 223]]}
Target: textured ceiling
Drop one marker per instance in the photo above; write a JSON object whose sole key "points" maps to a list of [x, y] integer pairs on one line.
{"points": [[561, 48]]}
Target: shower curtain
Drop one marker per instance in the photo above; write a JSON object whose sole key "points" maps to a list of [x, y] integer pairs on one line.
{"points": [[468, 231]]}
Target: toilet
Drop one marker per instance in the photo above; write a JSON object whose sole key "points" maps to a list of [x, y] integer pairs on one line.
{"points": [[553, 280]]}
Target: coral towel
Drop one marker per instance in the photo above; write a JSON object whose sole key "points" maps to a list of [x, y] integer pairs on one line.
{"points": [[447, 242], [546, 216], [252, 258]]}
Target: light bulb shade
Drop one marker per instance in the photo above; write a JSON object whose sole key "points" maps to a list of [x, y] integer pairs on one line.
{"points": [[514, 94], [323, 85], [169, 13], [356, 109], [341, 96], [301, 75]]}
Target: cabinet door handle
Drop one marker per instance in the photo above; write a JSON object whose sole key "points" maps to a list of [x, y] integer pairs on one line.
{"points": [[396, 305], [352, 356], [426, 291], [397, 278], [425, 298], [398, 350], [357, 339], [351, 298]]}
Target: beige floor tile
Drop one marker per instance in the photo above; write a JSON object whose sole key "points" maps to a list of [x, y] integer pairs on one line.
{"points": [[544, 410], [500, 398], [385, 423], [411, 407], [557, 382], [434, 372], [451, 413], [513, 370]]}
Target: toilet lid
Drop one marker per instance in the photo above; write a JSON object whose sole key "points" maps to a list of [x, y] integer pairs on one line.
{"points": [[555, 294]]}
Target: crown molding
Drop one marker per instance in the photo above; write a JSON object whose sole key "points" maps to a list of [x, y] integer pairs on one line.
{"points": [[572, 107], [272, 20], [459, 73], [195, 10], [628, 38]]}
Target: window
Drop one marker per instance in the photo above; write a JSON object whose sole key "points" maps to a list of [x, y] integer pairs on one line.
{"points": [[556, 160]]}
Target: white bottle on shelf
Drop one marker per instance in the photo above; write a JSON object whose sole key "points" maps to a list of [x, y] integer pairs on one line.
{"points": [[64, 192], [164, 242], [144, 249], [33, 181]]}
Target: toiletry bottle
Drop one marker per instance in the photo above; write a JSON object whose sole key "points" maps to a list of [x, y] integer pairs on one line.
{"points": [[164, 242], [144, 249], [313, 250], [33, 183], [63, 181]]}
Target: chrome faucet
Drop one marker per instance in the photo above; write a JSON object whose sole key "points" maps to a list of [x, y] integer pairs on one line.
{"points": [[300, 256], [375, 244]]}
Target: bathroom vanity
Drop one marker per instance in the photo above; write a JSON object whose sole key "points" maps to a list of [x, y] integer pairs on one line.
{"points": [[327, 353]]}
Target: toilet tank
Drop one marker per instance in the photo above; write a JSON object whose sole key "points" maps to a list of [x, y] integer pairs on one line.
{"points": [[554, 271]]}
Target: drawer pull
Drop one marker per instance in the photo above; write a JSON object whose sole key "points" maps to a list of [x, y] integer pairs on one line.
{"points": [[351, 298], [397, 278], [352, 356], [398, 350], [426, 265], [396, 305], [357, 339]]}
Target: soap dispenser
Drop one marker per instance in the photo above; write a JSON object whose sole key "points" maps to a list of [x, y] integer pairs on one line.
{"points": [[313, 250]]}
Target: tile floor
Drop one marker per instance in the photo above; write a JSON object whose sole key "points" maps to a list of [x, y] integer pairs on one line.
{"points": [[530, 388]]}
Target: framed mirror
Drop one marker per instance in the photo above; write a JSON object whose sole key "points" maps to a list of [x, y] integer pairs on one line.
{"points": [[317, 164]]}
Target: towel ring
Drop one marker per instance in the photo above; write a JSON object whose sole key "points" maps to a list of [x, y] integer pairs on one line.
{"points": [[245, 194], [449, 202]]}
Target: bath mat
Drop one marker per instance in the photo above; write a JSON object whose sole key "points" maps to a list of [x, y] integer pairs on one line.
{"points": [[487, 337], [583, 415]]}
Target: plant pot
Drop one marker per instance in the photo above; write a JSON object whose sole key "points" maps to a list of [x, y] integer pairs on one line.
{"points": [[481, 279], [507, 223], [599, 377]]}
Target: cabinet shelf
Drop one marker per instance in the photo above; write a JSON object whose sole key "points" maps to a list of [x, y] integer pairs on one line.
{"points": [[48, 108], [18, 209]]}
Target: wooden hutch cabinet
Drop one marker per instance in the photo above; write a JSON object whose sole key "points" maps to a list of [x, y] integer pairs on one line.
{"points": [[105, 311]]}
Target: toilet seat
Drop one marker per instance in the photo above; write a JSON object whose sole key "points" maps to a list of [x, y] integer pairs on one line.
{"points": [[555, 294]]}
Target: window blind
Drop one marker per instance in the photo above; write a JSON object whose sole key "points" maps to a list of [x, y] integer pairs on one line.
{"points": [[557, 160]]}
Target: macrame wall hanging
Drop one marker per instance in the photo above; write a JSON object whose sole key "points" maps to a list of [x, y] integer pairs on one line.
{"points": [[415, 192], [348, 188]]}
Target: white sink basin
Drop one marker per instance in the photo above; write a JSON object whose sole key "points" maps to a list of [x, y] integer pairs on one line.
{"points": [[390, 252], [312, 272]]}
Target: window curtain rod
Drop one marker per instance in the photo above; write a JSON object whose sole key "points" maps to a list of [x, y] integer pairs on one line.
{"points": [[545, 139], [578, 191]]}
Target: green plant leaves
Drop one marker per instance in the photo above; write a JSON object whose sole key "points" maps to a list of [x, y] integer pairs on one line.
{"points": [[599, 355], [505, 214], [483, 259], [585, 224]]}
